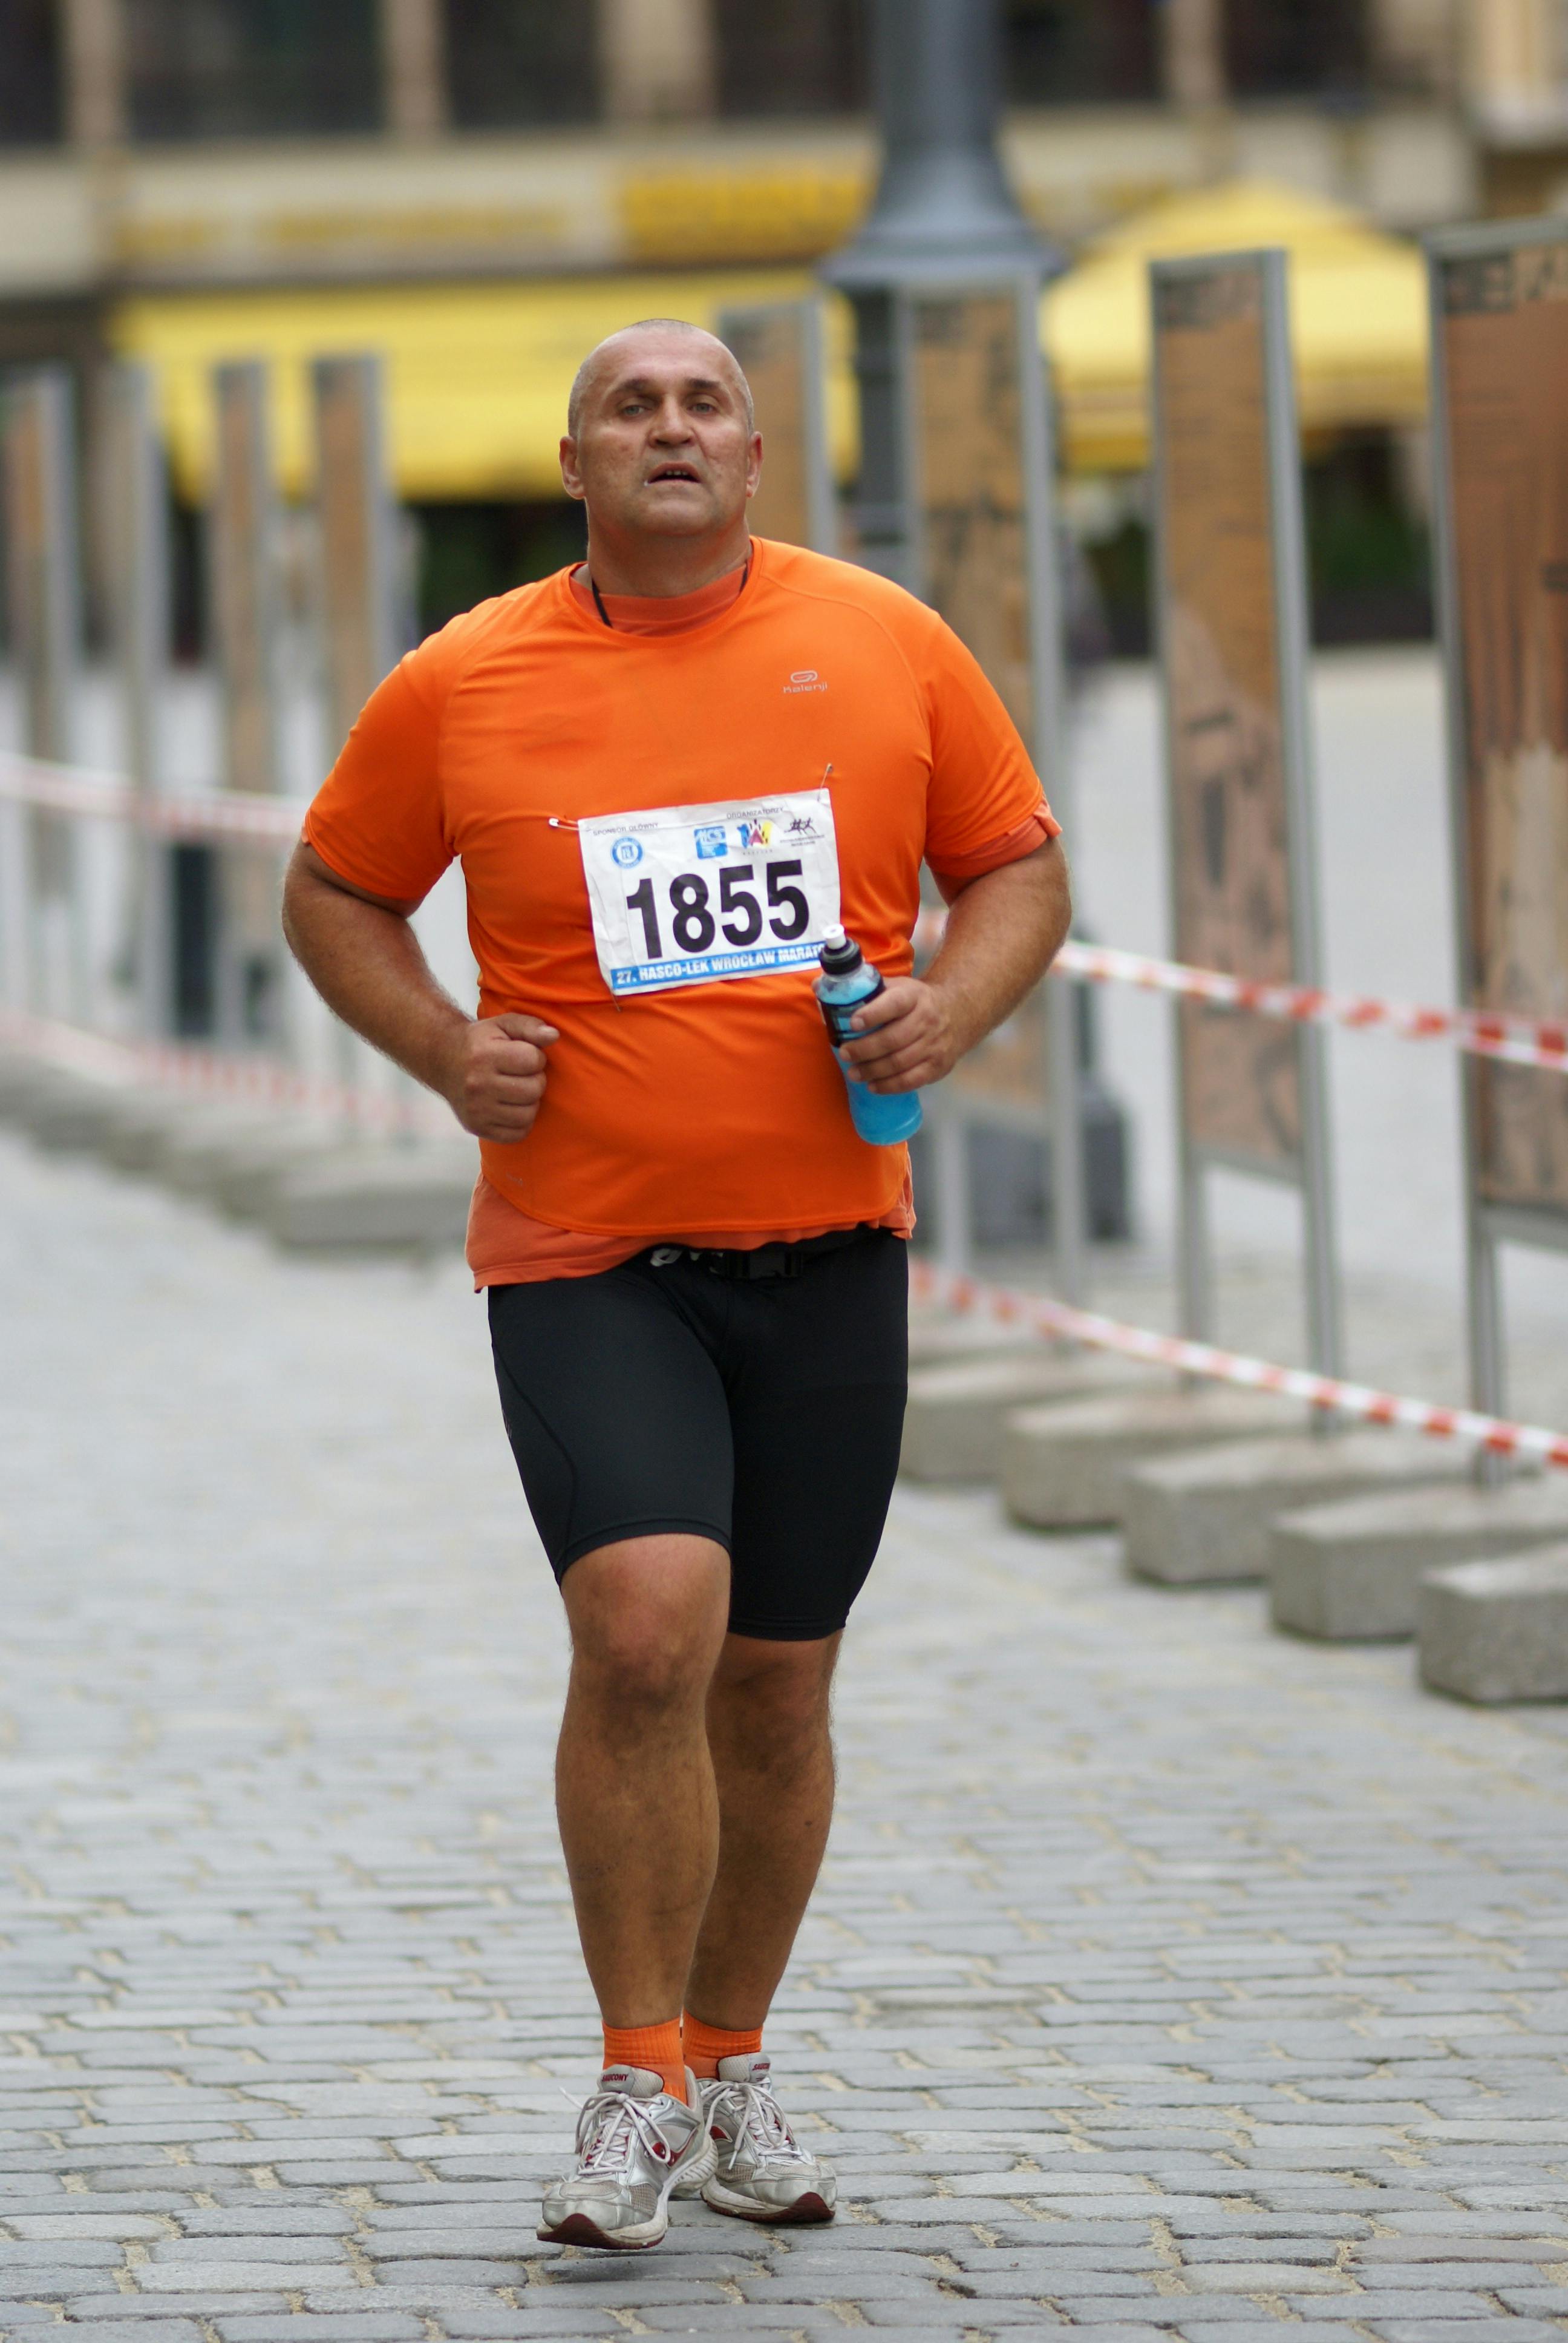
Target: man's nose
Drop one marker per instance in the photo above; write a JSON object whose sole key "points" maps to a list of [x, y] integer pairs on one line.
{"points": [[671, 422]]}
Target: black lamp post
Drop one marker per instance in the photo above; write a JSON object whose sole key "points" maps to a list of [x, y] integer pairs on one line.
{"points": [[943, 211]]}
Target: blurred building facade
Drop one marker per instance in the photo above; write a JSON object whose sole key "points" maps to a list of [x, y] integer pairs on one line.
{"points": [[164, 144], [177, 152]]}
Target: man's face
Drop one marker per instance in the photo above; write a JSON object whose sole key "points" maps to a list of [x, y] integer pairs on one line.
{"points": [[662, 447]]}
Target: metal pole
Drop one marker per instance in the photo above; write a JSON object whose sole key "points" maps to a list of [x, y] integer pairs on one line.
{"points": [[1048, 696], [817, 453], [954, 1188], [1194, 1256], [1292, 634], [944, 210]]}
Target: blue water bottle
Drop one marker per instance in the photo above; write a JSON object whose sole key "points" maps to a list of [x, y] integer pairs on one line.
{"points": [[847, 982]]}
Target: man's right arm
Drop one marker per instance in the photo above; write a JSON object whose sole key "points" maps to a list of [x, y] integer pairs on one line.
{"points": [[365, 960]]}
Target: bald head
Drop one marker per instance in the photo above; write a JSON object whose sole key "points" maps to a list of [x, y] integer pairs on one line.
{"points": [[616, 358]]}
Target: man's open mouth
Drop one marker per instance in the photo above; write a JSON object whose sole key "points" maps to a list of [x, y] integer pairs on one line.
{"points": [[674, 472]]}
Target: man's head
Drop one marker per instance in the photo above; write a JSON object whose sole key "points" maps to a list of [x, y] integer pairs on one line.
{"points": [[661, 438]]}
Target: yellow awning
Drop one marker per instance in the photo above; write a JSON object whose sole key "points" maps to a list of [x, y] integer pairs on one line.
{"points": [[478, 374], [1358, 316]]}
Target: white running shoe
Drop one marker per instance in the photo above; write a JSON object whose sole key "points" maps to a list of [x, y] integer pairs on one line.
{"points": [[635, 2143], [762, 2173]]}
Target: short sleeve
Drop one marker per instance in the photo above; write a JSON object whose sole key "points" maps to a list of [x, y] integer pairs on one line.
{"points": [[986, 806], [378, 818]]}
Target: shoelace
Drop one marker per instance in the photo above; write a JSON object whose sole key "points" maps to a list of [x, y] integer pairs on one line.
{"points": [[755, 2110], [608, 2124]]}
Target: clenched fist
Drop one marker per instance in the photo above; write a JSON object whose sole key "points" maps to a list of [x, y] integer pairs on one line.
{"points": [[496, 1075]]}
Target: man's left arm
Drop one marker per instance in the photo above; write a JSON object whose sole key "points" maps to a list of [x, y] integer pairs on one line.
{"points": [[1004, 929]]}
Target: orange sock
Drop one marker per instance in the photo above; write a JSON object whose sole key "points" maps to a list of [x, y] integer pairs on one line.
{"points": [[706, 2044], [657, 2048]]}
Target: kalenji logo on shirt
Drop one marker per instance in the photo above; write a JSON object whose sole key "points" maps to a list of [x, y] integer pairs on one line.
{"points": [[805, 679]]}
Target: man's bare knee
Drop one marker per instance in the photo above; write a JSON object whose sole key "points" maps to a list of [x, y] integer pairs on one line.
{"points": [[647, 1619], [774, 1698]]}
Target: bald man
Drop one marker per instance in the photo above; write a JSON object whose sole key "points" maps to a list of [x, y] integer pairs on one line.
{"points": [[668, 773]]}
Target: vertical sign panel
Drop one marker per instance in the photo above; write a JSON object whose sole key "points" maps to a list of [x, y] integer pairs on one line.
{"points": [[1500, 405], [43, 600], [244, 582], [247, 627], [982, 552], [1240, 1081], [1230, 612], [42, 556], [354, 502], [139, 611], [780, 347]]}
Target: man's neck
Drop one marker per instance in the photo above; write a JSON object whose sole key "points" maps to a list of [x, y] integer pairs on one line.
{"points": [[664, 566]]}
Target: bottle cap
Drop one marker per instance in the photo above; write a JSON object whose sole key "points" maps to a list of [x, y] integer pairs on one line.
{"points": [[840, 952]]}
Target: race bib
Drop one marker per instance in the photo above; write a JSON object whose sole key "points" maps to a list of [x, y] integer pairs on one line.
{"points": [[694, 894]]}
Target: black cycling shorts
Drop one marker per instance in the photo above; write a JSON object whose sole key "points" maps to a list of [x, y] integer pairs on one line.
{"points": [[763, 1413]]}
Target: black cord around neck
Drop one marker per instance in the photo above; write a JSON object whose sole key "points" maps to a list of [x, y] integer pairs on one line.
{"points": [[609, 622]]}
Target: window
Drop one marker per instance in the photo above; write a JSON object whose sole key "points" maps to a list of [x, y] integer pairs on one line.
{"points": [[1081, 52], [1296, 48], [252, 68], [521, 61], [30, 110], [792, 56]]}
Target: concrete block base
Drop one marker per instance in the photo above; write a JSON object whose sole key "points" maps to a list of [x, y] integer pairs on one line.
{"points": [[195, 1158], [146, 1123], [406, 1198], [940, 1341], [953, 1424], [1493, 1631], [1201, 1517], [1062, 1466], [1354, 1569], [71, 1113]]}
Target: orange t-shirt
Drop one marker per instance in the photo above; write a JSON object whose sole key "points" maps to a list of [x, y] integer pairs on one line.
{"points": [[712, 1112]]}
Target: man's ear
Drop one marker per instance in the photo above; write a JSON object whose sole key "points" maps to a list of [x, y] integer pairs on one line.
{"points": [[571, 477]]}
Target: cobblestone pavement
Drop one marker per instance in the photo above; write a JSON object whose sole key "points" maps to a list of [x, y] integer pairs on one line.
{"points": [[1167, 1979]]}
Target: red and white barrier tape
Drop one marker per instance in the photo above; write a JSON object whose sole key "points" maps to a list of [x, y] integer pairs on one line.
{"points": [[1521, 1042], [213, 1074], [232, 814], [1046, 1316], [217, 814]]}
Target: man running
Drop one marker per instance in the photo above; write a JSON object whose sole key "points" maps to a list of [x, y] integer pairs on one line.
{"points": [[667, 772]]}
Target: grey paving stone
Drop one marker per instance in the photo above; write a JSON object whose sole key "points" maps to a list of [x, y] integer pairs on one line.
{"points": [[300, 2327], [1145, 1936]]}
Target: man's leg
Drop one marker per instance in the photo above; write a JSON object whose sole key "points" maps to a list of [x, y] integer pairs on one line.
{"points": [[634, 1776], [772, 1758]]}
